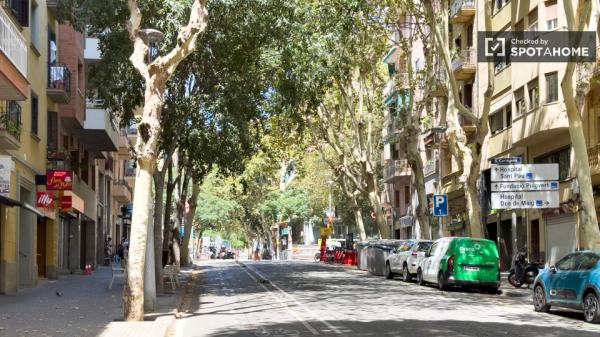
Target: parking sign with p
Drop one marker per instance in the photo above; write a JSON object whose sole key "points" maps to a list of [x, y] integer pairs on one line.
{"points": [[440, 205]]}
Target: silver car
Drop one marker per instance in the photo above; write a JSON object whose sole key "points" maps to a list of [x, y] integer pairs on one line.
{"points": [[405, 259]]}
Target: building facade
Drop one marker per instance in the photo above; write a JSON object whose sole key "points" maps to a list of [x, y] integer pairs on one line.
{"points": [[48, 125]]}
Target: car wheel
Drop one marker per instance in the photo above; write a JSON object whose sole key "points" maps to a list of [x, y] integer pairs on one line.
{"points": [[512, 279], [406, 274], [539, 299], [442, 281], [388, 272], [420, 279], [591, 308]]}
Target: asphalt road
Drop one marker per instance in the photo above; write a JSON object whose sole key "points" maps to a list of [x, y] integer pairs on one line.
{"points": [[291, 299]]}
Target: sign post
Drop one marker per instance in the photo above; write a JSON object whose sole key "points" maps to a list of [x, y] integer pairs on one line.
{"points": [[440, 209], [518, 186]]}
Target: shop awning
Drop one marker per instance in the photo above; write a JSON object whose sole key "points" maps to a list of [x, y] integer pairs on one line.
{"points": [[33, 210], [9, 202], [12, 203]]}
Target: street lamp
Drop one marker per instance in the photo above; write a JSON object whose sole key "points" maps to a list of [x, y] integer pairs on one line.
{"points": [[153, 36], [440, 129]]}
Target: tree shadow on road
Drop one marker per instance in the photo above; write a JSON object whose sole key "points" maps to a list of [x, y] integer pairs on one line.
{"points": [[405, 328]]}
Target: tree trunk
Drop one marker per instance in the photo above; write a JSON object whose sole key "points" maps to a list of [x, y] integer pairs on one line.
{"points": [[189, 219], [420, 212], [374, 200], [159, 184], [588, 222], [180, 220], [133, 293], [359, 220], [167, 225]]}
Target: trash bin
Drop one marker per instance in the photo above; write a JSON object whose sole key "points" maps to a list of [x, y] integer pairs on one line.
{"points": [[378, 254], [361, 251]]}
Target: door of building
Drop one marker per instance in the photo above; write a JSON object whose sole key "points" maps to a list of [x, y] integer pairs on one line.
{"points": [[560, 237], [41, 247]]}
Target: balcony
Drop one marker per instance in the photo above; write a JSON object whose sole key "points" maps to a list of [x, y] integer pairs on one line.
{"points": [[18, 9], [392, 130], [594, 159], [121, 191], [100, 133], [13, 60], [464, 64], [430, 168], [396, 169], [466, 123], [10, 125], [439, 88], [52, 5], [462, 11], [59, 84], [451, 182], [398, 81]]}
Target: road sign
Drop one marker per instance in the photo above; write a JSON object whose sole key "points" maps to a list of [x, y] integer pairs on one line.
{"points": [[525, 186], [524, 172], [326, 231], [537, 199], [440, 205], [507, 160]]}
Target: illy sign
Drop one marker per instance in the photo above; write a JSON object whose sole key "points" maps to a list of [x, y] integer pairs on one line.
{"points": [[44, 200]]}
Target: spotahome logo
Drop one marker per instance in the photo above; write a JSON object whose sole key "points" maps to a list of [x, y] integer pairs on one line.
{"points": [[529, 46]]}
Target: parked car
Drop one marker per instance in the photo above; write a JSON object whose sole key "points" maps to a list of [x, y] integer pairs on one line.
{"points": [[405, 259], [461, 261], [574, 282]]}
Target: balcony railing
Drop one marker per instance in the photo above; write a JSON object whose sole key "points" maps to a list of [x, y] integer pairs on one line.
{"points": [[10, 118], [465, 58], [430, 167], [19, 9], [594, 158], [461, 10], [59, 77], [12, 43], [397, 168]]}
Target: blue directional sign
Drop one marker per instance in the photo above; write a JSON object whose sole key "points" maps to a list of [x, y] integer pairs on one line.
{"points": [[440, 205]]}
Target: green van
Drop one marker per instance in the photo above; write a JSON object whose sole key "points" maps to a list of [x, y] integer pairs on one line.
{"points": [[461, 261]]}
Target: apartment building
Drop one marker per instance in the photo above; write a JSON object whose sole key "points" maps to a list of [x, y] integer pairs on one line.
{"points": [[50, 133]]}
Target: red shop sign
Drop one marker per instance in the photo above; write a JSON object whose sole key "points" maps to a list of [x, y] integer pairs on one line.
{"points": [[59, 180], [66, 203], [44, 200]]}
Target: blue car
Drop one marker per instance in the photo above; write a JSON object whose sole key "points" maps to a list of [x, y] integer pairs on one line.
{"points": [[574, 282]]}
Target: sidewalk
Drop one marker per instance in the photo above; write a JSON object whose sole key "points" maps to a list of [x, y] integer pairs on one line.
{"points": [[85, 307]]}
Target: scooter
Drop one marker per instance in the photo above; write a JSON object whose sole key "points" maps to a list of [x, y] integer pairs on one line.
{"points": [[523, 271]]}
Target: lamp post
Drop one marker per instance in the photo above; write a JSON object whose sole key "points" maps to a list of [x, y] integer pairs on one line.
{"points": [[440, 129]]}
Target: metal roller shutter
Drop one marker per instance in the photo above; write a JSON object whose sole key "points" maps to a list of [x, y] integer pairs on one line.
{"points": [[560, 237]]}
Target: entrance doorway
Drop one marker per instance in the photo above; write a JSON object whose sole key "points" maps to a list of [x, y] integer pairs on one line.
{"points": [[41, 247], [535, 240]]}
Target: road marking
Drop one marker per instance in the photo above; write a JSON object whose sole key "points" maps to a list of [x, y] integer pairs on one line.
{"points": [[293, 312], [326, 323]]}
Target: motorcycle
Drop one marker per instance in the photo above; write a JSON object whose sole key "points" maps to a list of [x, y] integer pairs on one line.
{"points": [[523, 271]]}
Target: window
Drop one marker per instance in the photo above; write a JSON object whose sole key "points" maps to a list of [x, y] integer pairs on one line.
{"points": [[588, 261], [551, 87], [424, 246], [433, 248], [501, 62], [533, 94], [568, 262], [501, 119], [35, 105], [551, 15], [520, 102], [52, 131], [499, 4], [562, 157], [35, 29], [19, 9], [532, 21]]}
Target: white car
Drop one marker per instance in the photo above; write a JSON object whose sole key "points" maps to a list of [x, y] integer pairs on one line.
{"points": [[405, 259]]}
